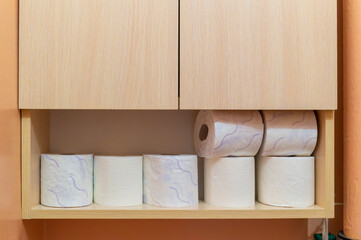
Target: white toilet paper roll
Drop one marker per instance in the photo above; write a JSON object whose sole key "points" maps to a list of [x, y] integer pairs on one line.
{"points": [[289, 133], [171, 180], [66, 180], [286, 181], [228, 133], [229, 181], [118, 180]]}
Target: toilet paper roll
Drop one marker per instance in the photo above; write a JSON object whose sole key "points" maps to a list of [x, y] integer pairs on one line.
{"points": [[66, 180], [171, 180], [228, 133], [289, 133], [286, 181], [118, 181], [229, 181]]}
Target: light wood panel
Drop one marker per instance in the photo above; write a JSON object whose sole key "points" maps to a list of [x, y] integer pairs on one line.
{"points": [[203, 211], [26, 164], [324, 155], [35, 139], [98, 54], [258, 54]]}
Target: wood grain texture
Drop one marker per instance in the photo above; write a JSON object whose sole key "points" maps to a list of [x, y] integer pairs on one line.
{"points": [[35, 140], [26, 164], [98, 54], [203, 211], [324, 157], [258, 54]]}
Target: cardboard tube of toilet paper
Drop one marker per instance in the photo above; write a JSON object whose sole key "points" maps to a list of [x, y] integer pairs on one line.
{"points": [[171, 180], [229, 181], [118, 180], [228, 133], [289, 133], [66, 180], [286, 181]]}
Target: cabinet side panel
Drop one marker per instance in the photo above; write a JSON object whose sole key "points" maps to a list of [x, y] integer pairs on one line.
{"points": [[324, 155], [40, 143], [97, 54], [330, 167], [25, 163], [258, 54]]}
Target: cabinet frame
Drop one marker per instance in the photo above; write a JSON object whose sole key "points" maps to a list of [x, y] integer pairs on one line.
{"points": [[35, 134]]}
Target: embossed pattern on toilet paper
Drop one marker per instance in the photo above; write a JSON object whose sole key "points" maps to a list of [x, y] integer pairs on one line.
{"points": [[66, 180], [230, 133], [286, 181], [289, 133], [118, 180], [171, 180], [229, 181]]}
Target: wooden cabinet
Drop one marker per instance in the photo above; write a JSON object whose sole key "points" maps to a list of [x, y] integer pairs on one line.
{"points": [[123, 54], [98, 54], [123, 133], [258, 54]]}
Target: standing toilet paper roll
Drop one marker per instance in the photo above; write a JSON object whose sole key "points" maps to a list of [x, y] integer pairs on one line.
{"points": [[289, 133], [286, 181], [228, 133], [229, 181], [118, 181], [66, 180], [171, 180]]}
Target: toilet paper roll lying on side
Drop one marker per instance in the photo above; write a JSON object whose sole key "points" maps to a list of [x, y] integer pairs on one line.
{"points": [[286, 181], [171, 180], [118, 180], [229, 181], [228, 133], [66, 180], [289, 133]]}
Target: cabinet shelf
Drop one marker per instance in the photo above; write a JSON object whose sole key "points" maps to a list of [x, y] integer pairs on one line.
{"points": [[139, 132], [203, 211]]}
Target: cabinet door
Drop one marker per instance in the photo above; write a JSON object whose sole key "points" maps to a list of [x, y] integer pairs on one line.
{"points": [[98, 54], [258, 54]]}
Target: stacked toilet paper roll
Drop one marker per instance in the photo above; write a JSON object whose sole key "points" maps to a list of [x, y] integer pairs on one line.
{"points": [[285, 168], [229, 181], [228, 140], [228, 133], [66, 180], [286, 181], [171, 180], [289, 133], [118, 180]]}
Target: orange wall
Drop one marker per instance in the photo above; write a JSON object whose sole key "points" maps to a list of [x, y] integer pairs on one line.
{"points": [[11, 225], [352, 117], [177, 229]]}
